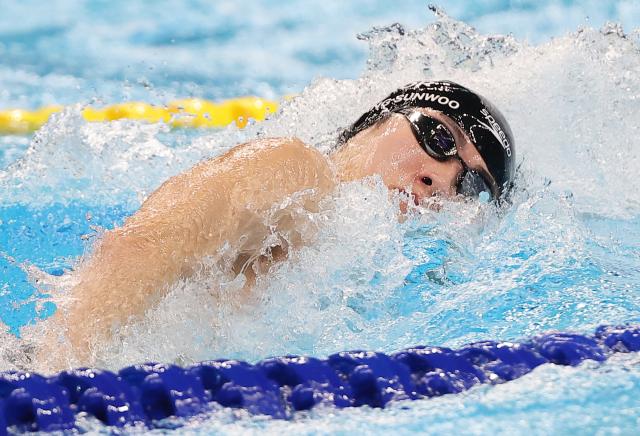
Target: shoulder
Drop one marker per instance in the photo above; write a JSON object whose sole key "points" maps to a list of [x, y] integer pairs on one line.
{"points": [[290, 150], [287, 161], [285, 146]]}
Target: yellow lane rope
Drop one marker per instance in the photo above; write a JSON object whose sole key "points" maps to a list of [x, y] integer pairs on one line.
{"points": [[190, 112]]}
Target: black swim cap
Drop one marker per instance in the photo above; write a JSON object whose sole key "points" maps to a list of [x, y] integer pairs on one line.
{"points": [[479, 119]]}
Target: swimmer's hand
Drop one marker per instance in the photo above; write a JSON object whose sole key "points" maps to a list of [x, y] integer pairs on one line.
{"points": [[191, 215]]}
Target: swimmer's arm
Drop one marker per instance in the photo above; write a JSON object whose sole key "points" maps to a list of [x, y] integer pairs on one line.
{"points": [[190, 216]]}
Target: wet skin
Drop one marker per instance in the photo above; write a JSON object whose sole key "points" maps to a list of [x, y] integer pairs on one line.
{"points": [[240, 199]]}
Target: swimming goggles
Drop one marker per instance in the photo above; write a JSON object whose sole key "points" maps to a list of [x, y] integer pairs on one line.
{"points": [[438, 142]]}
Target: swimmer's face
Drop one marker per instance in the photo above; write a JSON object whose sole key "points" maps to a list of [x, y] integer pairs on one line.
{"points": [[404, 165]]}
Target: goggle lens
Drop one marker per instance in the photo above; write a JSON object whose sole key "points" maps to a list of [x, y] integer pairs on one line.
{"points": [[432, 135], [472, 184]]}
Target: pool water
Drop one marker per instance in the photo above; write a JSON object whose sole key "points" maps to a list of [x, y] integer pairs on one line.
{"points": [[564, 256]]}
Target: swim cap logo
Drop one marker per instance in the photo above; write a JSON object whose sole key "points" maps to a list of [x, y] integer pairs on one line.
{"points": [[416, 96], [497, 131]]}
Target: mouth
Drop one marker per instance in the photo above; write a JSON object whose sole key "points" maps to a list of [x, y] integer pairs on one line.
{"points": [[410, 195], [422, 204]]}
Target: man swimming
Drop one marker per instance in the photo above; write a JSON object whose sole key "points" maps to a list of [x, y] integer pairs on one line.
{"points": [[242, 209]]}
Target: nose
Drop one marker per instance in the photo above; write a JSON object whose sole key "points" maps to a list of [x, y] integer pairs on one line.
{"points": [[440, 179]]}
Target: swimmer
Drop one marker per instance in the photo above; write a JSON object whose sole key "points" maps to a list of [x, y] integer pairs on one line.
{"points": [[426, 139]]}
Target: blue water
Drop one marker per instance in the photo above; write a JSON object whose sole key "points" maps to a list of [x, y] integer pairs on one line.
{"points": [[565, 255]]}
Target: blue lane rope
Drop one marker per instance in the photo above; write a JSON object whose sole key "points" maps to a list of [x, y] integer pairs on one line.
{"points": [[278, 387]]}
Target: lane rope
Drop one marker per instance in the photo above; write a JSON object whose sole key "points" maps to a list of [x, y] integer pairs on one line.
{"points": [[149, 393], [185, 113]]}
